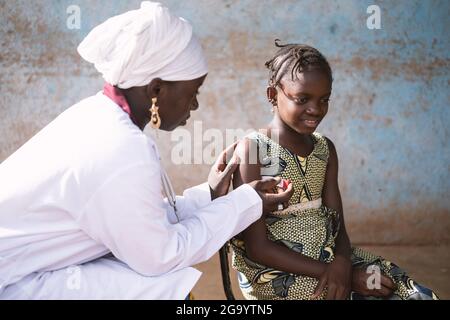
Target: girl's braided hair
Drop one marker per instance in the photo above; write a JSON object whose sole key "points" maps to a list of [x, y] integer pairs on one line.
{"points": [[295, 58]]}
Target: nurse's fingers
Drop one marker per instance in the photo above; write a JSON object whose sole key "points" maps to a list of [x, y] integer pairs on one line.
{"points": [[266, 184], [281, 197], [272, 200], [231, 166], [224, 157]]}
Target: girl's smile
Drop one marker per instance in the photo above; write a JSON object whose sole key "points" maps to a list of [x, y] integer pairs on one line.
{"points": [[311, 123]]}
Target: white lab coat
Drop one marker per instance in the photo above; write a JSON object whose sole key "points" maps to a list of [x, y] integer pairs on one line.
{"points": [[82, 215]]}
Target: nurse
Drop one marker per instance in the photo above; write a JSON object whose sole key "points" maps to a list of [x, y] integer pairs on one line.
{"points": [[82, 211]]}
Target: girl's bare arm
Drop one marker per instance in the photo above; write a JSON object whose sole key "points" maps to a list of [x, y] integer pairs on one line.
{"points": [[331, 198], [258, 247]]}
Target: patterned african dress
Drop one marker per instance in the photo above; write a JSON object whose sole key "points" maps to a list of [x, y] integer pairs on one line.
{"points": [[306, 227]]}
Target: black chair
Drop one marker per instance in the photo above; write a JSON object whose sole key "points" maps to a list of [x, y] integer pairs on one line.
{"points": [[225, 269]]}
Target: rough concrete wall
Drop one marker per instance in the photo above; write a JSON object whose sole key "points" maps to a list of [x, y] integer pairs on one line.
{"points": [[388, 117]]}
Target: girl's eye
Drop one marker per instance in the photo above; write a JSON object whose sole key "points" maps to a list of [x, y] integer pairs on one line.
{"points": [[327, 100], [301, 100]]}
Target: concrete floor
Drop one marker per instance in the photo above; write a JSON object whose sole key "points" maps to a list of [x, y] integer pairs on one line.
{"points": [[428, 265]]}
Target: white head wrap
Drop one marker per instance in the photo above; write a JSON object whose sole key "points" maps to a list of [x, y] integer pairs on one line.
{"points": [[133, 48]]}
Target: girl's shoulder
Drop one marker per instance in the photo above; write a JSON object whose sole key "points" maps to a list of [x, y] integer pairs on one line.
{"points": [[255, 135], [258, 139], [320, 139], [321, 146]]}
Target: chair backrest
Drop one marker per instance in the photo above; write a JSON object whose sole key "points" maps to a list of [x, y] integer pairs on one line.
{"points": [[225, 269]]}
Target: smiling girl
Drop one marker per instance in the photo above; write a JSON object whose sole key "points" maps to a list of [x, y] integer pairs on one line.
{"points": [[303, 251]]}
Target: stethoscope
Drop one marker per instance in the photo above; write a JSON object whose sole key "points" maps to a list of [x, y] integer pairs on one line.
{"points": [[168, 190]]}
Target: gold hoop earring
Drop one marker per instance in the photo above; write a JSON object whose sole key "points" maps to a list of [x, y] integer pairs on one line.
{"points": [[155, 119]]}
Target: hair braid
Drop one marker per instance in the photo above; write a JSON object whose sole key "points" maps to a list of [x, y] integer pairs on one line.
{"points": [[295, 58]]}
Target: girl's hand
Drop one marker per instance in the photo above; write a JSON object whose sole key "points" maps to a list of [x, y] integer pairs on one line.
{"points": [[337, 278], [360, 284], [220, 175]]}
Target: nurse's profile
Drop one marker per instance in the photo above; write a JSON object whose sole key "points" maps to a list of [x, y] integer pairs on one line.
{"points": [[84, 196]]}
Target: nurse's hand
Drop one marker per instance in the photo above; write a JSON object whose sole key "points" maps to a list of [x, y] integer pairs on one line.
{"points": [[220, 175], [272, 201]]}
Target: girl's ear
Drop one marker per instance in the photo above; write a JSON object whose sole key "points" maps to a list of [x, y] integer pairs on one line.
{"points": [[272, 95]]}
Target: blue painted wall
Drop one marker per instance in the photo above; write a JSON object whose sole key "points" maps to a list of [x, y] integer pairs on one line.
{"points": [[390, 105]]}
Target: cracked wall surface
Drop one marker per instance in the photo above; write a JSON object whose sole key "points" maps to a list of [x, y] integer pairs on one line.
{"points": [[389, 113]]}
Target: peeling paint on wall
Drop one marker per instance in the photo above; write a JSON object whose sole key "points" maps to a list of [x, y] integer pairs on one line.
{"points": [[389, 110]]}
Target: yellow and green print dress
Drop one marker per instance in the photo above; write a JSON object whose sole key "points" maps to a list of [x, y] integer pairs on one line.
{"points": [[307, 227]]}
